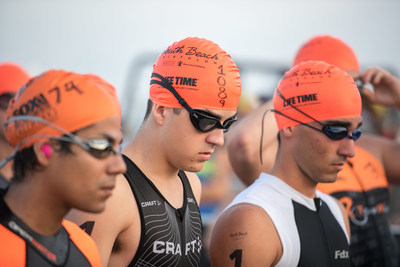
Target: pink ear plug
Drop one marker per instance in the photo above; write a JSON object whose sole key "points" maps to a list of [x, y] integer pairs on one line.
{"points": [[46, 149]]}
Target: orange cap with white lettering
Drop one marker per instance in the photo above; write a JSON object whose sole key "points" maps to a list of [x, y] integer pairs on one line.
{"points": [[67, 100], [203, 74], [318, 89], [330, 49]]}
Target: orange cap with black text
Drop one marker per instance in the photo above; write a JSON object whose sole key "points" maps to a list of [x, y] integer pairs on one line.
{"points": [[12, 77], [201, 72], [67, 100], [330, 49], [318, 89]]}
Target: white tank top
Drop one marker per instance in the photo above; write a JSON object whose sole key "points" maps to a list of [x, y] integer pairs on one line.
{"points": [[275, 197]]}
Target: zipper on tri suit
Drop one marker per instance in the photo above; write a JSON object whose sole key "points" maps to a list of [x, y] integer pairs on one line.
{"points": [[317, 202], [180, 218]]}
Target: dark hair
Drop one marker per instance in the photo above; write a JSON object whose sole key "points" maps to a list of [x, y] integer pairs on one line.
{"points": [[26, 161], [148, 109], [150, 106], [177, 110]]}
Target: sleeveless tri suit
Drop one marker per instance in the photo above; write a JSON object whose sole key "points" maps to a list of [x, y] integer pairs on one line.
{"points": [[21, 246], [312, 231], [169, 236]]}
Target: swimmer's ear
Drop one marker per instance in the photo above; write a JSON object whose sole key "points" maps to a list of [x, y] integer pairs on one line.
{"points": [[43, 151], [288, 131], [158, 113]]}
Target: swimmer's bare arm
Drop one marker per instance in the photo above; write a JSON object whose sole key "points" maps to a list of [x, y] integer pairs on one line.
{"points": [[243, 144], [386, 93], [387, 151], [244, 235], [116, 230]]}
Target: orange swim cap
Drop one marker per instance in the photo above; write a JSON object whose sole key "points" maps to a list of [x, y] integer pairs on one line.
{"points": [[201, 72], [65, 99], [12, 77], [318, 89], [330, 49]]}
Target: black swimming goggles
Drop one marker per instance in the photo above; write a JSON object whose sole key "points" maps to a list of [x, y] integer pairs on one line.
{"points": [[201, 120], [334, 132], [98, 148]]}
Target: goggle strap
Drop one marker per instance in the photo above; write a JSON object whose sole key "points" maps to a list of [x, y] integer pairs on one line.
{"points": [[262, 134], [164, 83], [305, 124], [280, 113], [40, 120], [305, 114], [10, 157], [61, 138]]}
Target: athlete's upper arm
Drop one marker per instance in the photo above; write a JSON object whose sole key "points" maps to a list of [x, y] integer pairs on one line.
{"points": [[390, 158], [386, 151], [244, 141], [244, 235], [105, 227], [195, 184]]}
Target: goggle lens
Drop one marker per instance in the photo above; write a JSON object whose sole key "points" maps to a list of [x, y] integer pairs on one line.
{"points": [[340, 132], [100, 148], [206, 122]]}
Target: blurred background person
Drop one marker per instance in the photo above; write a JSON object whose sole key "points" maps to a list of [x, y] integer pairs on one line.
{"points": [[12, 77]]}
